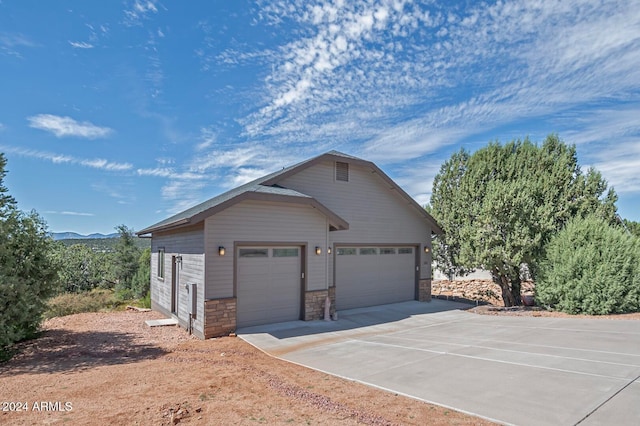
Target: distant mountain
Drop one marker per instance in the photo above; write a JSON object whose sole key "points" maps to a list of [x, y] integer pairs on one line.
{"points": [[75, 236]]}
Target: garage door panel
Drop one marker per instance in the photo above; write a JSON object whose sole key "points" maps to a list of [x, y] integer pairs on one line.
{"points": [[374, 279], [268, 289]]}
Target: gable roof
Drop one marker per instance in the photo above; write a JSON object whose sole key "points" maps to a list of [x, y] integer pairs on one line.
{"points": [[266, 188]]}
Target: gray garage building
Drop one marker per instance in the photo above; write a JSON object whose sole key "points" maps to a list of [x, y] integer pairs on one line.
{"points": [[273, 249]]}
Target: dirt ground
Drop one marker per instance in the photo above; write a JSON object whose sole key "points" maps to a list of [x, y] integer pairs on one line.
{"points": [[110, 368]]}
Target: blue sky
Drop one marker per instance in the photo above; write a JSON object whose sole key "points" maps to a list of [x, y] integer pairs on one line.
{"points": [[128, 111]]}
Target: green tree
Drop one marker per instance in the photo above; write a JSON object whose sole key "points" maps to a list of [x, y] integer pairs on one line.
{"points": [[142, 278], [632, 227], [125, 260], [447, 250], [27, 272], [82, 269], [500, 206], [591, 267]]}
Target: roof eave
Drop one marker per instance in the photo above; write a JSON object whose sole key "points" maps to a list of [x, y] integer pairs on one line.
{"points": [[177, 224]]}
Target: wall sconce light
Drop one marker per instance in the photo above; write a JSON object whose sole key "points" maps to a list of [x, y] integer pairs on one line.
{"points": [[318, 250], [221, 251], [328, 250], [426, 249]]}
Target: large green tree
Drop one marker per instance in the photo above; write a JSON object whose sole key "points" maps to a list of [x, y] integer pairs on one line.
{"points": [[499, 206], [27, 273]]}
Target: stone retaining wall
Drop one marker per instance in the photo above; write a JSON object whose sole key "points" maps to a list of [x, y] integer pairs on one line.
{"points": [[474, 290]]}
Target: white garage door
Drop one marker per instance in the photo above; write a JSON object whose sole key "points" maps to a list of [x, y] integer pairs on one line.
{"points": [[369, 276], [268, 285]]}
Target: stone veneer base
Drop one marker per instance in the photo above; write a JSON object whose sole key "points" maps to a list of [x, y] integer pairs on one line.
{"points": [[219, 317], [314, 301], [424, 290]]}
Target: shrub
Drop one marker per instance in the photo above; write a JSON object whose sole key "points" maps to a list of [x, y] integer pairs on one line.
{"points": [[27, 273], [590, 267], [145, 302], [75, 303], [27, 277], [142, 279], [81, 269]]}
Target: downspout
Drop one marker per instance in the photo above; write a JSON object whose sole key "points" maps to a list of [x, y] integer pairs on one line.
{"points": [[326, 260]]}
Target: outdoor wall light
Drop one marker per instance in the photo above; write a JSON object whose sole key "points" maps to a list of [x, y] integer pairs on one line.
{"points": [[221, 251], [318, 250], [328, 250], [426, 249]]}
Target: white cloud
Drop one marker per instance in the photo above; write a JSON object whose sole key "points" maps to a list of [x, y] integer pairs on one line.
{"points": [[69, 213], [81, 45], [67, 126], [208, 137], [139, 10], [168, 172], [11, 43], [96, 163], [181, 195], [621, 169], [122, 195], [609, 140], [398, 81]]}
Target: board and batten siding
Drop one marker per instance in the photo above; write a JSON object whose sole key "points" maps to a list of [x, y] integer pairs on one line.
{"points": [[263, 222], [376, 213], [188, 244]]}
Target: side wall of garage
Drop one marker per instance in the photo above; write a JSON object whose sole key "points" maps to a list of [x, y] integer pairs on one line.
{"points": [[186, 247]]}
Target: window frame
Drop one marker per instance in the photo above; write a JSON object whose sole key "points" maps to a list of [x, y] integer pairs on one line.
{"points": [[285, 252], [253, 252], [368, 251], [161, 260], [346, 251]]}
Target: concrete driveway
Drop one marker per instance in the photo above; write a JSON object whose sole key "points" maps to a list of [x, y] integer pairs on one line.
{"points": [[513, 370]]}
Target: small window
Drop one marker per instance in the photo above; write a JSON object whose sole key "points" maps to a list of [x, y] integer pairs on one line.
{"points": [[342, 171], [368, 250], [345, 251], [254, 252], [160, 271], [285, 252], [405, 250], [387, 250]]}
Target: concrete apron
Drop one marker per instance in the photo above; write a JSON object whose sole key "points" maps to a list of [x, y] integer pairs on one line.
{"points": [[513, 370]]}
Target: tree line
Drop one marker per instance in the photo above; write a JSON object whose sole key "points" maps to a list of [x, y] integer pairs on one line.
{"points": [[519, 207], [124, 267]]}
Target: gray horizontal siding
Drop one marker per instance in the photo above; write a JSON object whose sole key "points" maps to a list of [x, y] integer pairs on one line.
{"points": [[188, 244], [376, 213], [252, 221]]}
